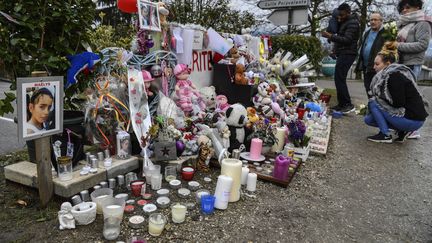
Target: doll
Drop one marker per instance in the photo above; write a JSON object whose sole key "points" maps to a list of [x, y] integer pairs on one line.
{"points": [[147, 82], [186, 94]]}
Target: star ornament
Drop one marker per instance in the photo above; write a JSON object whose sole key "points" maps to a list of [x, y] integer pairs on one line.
{"points": [[165, 151]]}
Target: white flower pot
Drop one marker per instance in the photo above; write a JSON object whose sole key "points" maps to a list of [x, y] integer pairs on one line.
{"points": [[84, 213]]}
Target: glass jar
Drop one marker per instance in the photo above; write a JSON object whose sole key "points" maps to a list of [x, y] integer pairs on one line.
{"points": [[64, 168], [157, 223], [170, 172], [156, 181]]}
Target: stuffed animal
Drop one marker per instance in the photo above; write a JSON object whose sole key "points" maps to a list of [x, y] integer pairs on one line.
{"points": [[236, 119], [240, 76], [185, 92], [203, 160], [234, 55], [208, 94], [224, 133], [163, 13], [252, 116], [222, 103], [262, 100], [80, 62]]}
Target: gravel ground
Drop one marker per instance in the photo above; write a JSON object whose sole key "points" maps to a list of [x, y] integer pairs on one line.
{"points": [[359, 192]]}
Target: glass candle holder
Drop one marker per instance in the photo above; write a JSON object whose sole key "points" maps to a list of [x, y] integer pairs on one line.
{"points": [[207, 204], [156, 181], [178, 213], [170, 172], [65, 168], [157, 223]]}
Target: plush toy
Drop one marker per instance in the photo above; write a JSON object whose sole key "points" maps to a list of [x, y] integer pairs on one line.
{"points": [[252, 116], [224, 133], [80, 62], [208, 94], [186, 94], [163, 13], [222, 103], [147, 82], [236, 119], [262, 100], [240, 76], [234, 55], [204, 155]]}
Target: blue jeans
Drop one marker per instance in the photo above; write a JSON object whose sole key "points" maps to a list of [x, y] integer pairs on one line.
{"points": [[383, 120]]}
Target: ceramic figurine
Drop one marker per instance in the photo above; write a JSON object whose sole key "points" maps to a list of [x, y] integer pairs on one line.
{"points": [[66, 219]]}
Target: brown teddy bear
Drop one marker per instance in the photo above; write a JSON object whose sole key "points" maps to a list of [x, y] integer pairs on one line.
{"points": [[240, 76], [234, 55]]}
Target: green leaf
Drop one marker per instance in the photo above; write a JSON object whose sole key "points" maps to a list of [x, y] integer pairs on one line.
{"points": [[53, 59], [10, 95], [18, 7], [14, 41]]}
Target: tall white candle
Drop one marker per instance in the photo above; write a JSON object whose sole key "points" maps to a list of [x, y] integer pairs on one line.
{"points": [[251, 182], [222, 192], [232, 168], [280, 135], [245, 172]]}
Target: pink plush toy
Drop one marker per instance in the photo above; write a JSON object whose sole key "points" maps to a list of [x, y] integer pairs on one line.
{"points": [[222, 103], [186, 93]]}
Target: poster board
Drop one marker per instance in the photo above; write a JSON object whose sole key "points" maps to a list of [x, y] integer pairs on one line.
{"points": [[202, 68], [40, 107]]}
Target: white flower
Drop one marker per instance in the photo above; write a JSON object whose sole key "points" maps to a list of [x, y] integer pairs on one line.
{"points": [[393, 24], [386, 26]]}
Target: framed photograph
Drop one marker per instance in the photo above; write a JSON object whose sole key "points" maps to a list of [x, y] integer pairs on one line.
{"points": [[148, 15], [40, 107]]}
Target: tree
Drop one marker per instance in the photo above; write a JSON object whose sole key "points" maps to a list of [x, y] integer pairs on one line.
{"points": [[41, 34], [210, 13]]}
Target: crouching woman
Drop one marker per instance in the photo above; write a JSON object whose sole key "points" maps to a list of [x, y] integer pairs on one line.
{"points": [[396, 101]]}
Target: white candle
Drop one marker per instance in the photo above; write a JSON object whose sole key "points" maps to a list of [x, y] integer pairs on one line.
{"points": [[232, 168], [245, 172], [280, 135], [222, 192], [251, 182], [178, 212], [156, 224]]}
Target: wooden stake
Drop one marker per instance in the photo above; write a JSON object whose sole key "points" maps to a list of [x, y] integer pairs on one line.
{"points": [[43, 161]]}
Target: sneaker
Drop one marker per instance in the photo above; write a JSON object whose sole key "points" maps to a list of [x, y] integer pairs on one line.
{"points": [[401, 136], [380, 138], [347, 109], [336, 108], [414, 135]]}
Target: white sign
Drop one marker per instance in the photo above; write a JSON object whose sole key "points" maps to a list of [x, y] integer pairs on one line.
{"points": [[198, 40], [282, 4], [202, 69], [281, 17]]}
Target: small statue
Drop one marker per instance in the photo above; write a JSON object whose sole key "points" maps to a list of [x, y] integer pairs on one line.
{"points": [[65, 216]]}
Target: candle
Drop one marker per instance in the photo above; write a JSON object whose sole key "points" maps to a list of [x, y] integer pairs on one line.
{"points": [[129, 208], [156, 224], [162, 192], [281, 167], [163, 202], [232, 168], [187, 173], [251, 182], [183, 192], [156, 181], [222, 192], [256, 148], [123, 196], [136, 187], [201, 193], [175, 184], [135, 222], [193, 185], [280, 135], [178, 213], [142, 202], [245, 172], [149, 208]]}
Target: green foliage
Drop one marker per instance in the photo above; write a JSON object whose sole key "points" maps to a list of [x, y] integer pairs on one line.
{"points": [[108, 36], [210, 13], [47, 32], [300, 45]]}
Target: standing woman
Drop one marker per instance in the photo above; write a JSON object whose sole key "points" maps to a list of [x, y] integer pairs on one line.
{"points": [[396, 101], [413, 37]]}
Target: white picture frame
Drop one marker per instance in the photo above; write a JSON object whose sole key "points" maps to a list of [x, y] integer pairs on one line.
{"points": [[39, 107], [148, 13]]}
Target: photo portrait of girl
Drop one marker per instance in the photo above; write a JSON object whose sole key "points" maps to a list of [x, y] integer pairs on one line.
{"points": [[39, 106]]}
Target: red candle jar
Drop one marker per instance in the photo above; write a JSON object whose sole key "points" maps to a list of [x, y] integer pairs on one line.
{"points": [[136, 187], [142, 202], [129, 208], [188, 173], [301, 112]]}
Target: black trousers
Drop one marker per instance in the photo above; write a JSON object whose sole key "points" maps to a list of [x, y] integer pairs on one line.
{"points": [[367, 79], [343, 64]]}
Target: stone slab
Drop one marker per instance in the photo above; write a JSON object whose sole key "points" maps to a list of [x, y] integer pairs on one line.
{"points": [[25, 173], [182, 159], [121, 167]]}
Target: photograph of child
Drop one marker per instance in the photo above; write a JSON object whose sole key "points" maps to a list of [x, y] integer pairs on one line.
{"points": [[39, 107], [123, 148], [149, 16]]}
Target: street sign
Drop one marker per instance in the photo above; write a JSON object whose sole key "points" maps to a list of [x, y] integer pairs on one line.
{"points": [[272, 4], [289, 16]]}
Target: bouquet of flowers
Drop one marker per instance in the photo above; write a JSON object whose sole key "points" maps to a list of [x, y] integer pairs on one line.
{"points": [[297, 134], [265, 131], [390, 31]]}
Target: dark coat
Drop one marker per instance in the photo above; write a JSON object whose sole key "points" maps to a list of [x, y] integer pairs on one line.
{"points": [[347, 37], [376, 47]]}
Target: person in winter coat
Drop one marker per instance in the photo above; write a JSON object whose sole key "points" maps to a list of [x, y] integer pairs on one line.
{"points": [[345, 42], [396, 101]]}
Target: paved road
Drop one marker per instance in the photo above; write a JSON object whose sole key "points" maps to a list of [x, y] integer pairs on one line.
{"points": [[8, 130]]}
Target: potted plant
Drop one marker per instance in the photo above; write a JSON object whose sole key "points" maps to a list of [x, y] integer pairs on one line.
{"points": [[298, 137]]}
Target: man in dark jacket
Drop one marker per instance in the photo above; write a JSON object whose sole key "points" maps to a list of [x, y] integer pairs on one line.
{"points": [[346, 50], [373, 41]]}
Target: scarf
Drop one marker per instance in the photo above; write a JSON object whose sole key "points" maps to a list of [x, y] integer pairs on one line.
{"points": [[407, 21], [381, 94]]}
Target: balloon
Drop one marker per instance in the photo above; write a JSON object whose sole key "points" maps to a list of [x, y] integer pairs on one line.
{"points": [[180, 147], [127, 6]]}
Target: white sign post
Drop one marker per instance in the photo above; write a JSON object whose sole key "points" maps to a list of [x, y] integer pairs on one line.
{"points": [[289, 16]]}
